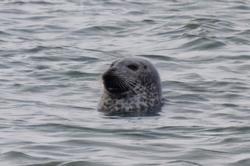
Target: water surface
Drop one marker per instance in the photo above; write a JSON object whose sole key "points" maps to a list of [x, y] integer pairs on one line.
{"points": [[52, 54]]}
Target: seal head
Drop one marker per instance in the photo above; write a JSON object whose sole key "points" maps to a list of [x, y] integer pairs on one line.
{"points": [[132, 87]]}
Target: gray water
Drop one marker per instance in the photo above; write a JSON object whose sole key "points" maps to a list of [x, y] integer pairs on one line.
{"points": [[53, 52]]}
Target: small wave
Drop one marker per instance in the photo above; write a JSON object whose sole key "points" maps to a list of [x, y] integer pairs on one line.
{"points": [[158, 57], [3, 33], [77, 74], [53, 58], [41, 18], [149, 21], [68, 127], [50, 163], [207, 20], [241, 7], [20, 155], [231, 105], [244, 32], [241, 39], [219, 58], [4, 66], [192, 26], [37, 49], [190, 97], [242, 162], [231, 129], [90, 143], [14, 11], [183, 162], [82, 163], [98, 29], [202, 43], [134, 13], [35, 2]]}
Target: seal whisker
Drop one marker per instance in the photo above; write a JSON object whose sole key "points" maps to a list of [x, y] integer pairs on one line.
{"points": [[130, 83], [121, 84]]}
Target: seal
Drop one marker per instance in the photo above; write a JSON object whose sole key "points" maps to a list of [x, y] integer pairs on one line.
{"points": [[132, 87]]}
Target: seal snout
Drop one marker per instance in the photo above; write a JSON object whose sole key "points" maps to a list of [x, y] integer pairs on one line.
{"points": [[109, 75], [113, 83]]}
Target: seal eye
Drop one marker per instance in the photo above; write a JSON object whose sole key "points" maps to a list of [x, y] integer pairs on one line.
{"points": [[133, 67]]}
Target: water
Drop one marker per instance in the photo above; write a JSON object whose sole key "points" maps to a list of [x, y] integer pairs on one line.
{"points": [[53, 53]]}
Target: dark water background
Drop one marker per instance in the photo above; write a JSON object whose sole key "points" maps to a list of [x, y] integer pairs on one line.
{"points": [[52, 54]]}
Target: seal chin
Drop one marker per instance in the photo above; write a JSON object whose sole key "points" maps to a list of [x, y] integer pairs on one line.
{"points": [[114, 84]]}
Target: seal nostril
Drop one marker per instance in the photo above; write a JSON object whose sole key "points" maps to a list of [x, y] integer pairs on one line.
{"points": [[109, 74]]}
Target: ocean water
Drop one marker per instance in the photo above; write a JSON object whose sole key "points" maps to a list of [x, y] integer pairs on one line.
{"points": [[52, 55]]}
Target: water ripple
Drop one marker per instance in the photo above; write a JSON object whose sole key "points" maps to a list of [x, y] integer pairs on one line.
{"points": [[54, 52]]}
